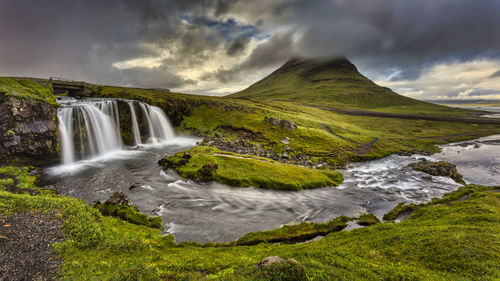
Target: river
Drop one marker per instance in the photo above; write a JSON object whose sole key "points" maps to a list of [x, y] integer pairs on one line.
{"points": [[213, 212]]}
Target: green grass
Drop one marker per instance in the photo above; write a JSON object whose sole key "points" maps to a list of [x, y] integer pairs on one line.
{"points": [[20, 176], [242, 170], [446, 239], [27, 89], [394, 135]]}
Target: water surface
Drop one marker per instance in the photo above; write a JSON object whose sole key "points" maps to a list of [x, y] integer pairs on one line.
{"points": [[220, 213]]}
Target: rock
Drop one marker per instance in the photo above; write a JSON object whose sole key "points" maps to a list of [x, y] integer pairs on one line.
{"points": [[285, 124], [28, 131], [166, 163], [293, 261], [270, 261], [441, 168], [119, 198], [205, 173], [273, 260], [134, 186], [185, 159]]}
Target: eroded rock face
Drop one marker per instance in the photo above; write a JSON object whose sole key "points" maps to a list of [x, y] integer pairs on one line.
{"points": [[28, 131]]}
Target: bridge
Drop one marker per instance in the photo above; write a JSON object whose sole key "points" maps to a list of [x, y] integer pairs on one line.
{"points": [[72, 88]]}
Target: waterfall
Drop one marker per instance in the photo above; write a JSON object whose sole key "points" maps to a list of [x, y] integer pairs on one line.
{"points": [[135, 125], [66, 131], [91, 128], [151, 133]]}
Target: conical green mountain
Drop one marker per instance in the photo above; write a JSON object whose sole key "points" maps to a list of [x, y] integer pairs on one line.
{"points": [[335, 82]]}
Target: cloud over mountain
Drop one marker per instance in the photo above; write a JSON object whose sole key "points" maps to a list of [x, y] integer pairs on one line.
{"points": [[220, 46]]}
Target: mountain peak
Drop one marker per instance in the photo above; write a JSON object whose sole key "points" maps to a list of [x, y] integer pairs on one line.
{"points": [[315, 81], [310, 67]]}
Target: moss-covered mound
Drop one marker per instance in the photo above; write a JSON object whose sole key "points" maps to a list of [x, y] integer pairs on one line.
{"points": [[294, 233], [205, 163], [128, 213], [367, 219]]}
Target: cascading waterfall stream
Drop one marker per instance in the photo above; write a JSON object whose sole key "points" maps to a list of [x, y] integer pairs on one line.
{"points": [[135, 125], [92, 128]]}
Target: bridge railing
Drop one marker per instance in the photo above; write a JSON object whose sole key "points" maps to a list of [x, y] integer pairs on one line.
{"points": [[66, 81]]}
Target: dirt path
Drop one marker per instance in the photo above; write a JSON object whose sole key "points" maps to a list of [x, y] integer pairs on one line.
{"points": [[408, 116], [25, 246]]}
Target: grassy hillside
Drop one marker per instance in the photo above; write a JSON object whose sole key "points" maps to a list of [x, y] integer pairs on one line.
{"points": [[454, 238], [335, 83]]}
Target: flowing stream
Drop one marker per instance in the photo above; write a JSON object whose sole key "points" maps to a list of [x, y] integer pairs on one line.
{"points": [[219, 213]]}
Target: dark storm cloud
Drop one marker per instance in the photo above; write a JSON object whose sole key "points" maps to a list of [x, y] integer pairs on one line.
{"points": [[404, 33], [271, 53], [237, 46], [83, 39], [496, 74]]}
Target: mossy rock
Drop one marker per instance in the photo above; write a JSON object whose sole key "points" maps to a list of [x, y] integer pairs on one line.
{"points": [[440, 168], [367, 219], [128, 213]]}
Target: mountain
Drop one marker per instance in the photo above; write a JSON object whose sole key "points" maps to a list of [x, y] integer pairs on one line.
{"points": [[334, 82]]}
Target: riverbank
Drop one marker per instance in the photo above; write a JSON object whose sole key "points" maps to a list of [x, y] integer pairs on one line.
{"points": [[453, 237]]}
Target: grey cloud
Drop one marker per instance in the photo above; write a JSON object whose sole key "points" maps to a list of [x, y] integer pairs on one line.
{"points": [[81, 39], [270, 53], [237, 46], [496, 74]]}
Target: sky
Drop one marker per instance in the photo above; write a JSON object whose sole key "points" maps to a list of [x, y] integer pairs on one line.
{"points": [[424, 49]]}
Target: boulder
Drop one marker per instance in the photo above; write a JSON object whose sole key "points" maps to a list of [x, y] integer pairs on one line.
{"points": [[274, 260], [205, 173], [119, 198], [285, 124], [440, 168], [270, 261], [185, 159]]}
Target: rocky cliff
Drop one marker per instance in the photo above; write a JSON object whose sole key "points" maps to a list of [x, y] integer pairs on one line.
{"points": [[28, 131]]}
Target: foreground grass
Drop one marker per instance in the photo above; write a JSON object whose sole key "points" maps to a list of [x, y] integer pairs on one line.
{"points": [[449, 239], [242, 170]]}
